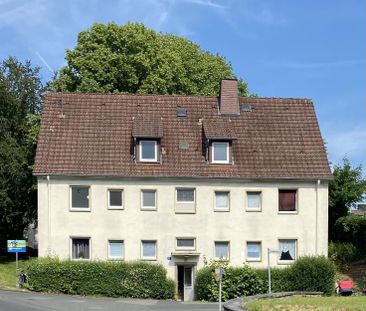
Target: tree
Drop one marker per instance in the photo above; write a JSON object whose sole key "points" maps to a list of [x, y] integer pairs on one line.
{"points": [[347, 188], [20, 97], [135, 59]]}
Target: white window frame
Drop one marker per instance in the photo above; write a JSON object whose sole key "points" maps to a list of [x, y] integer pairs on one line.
{"points": [[116, 241], [287, 262], [141, 159], [185, 202], [148, 208], [78, 237], [108, 198], [260, 251], [80, 209], [227, 152], [185, 248], [228, 250], [152, 258], [217, 209], [257, 209]]}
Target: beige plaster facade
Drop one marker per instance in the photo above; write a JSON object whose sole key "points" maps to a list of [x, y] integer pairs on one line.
{"points": [[58, 223]]}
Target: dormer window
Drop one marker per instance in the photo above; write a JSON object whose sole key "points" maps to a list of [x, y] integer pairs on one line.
{"points": [[220, 152], [148, 150]]}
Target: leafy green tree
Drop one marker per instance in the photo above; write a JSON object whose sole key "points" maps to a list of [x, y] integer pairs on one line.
{"points": [[135, 59], [20, 103], [347, 188]]}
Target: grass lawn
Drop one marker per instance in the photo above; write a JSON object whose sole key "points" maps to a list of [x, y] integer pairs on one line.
{"points": [[7, 272], [309, 303]]}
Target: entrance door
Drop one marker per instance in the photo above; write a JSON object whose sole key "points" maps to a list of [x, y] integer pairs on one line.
{"points": [[185, 283]]}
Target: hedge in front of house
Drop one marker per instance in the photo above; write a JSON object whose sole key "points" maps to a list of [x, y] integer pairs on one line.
{"points": [[113, 279], [236, 282], [309, 273]]}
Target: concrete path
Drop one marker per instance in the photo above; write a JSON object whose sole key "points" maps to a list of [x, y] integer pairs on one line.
{"points": [[29, 301]]}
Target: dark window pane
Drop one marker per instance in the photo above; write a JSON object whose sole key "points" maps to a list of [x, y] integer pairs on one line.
{"points": [[80, 248], [187, 276], [185, 195], [287, 200], [80, 197], [115, 197]]}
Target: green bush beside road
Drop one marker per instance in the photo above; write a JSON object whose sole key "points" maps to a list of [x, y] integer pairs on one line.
{"points": [[112, 279]]}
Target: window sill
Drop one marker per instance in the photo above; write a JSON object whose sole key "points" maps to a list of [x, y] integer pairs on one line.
{"points": [[288, 212], [148, 209], [116, 259], [149, 259], [253, 210], [80, 209], [285, 262], [148, 162], [116, 208], [254, 259], [80, 259], [221, 210]]}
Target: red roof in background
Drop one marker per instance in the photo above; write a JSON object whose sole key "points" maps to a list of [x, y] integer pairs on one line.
{"points": [[91, 134]]}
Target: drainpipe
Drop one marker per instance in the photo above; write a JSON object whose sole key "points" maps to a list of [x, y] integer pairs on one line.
{"points": [[316, 216], [49, 215]]}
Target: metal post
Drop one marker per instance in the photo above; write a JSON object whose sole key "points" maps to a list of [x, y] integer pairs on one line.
{"points": [[16, 269], [220, 281], [269, 271]]}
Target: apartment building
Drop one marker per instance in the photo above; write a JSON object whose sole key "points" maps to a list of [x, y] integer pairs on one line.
{"points": [[177, 179]]}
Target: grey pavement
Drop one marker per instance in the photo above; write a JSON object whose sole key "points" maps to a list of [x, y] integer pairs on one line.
{"points": [[30, 301]]}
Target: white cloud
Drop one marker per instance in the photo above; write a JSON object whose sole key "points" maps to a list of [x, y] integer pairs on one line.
{"points": [[208, 3]]}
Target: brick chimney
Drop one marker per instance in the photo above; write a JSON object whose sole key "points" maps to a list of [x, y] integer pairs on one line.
{"points": [[228, 101]]}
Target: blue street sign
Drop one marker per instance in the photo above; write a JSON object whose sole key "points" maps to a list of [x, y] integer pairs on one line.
{"points": [[17, 246]]}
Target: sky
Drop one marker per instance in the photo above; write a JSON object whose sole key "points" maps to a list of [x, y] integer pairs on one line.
{"points": [[281, 48]]}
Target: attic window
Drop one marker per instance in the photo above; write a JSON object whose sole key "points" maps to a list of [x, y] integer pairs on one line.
{"points": [[245, 108], [220, 152], [148, 150], [181, 112]]}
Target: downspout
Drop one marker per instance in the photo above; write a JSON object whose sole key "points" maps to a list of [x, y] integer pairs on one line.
{"points": [[49, 216], [316, 216]]}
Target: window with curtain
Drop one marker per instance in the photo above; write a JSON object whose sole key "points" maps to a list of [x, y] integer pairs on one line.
{"points": [[287, 200], [148, 251], [80, 248], [222, 202], [254, 200], [115, 250], [287, 249], [185, 195], [221, 250]]}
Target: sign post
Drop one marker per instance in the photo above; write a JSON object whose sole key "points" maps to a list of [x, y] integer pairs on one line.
{"points": [[218, 272], [269, 252], [17, 246]]}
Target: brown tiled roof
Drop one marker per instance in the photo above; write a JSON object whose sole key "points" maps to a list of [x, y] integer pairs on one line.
{"points": [[91, 134], [220, 129], [147, 127]]}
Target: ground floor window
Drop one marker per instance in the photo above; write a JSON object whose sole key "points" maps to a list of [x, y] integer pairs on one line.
{"points": [[80, 248], [254, 251], [221, 250], [148, 250], [115, 250], [287, 249]]}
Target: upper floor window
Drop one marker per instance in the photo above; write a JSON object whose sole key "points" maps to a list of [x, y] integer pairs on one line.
{"points": [[254, 201], [186, 244], [80, 198], [148, 150], [148, 199], [185, 195], [220, 152], [115, 199], [287, 200], [222, 201]]}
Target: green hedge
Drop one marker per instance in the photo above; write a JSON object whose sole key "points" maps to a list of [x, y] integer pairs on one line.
{"points": [[113, 279], [236, 282], [342, 253], [309, 273]]}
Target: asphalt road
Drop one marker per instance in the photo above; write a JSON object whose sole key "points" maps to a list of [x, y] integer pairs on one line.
{"points": [[28, 301]]}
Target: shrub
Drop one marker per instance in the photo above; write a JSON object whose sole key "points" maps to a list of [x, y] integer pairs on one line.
{"points": [[313, 273], [281, 279], [343, 253], [236, 282], [114, 279]]}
